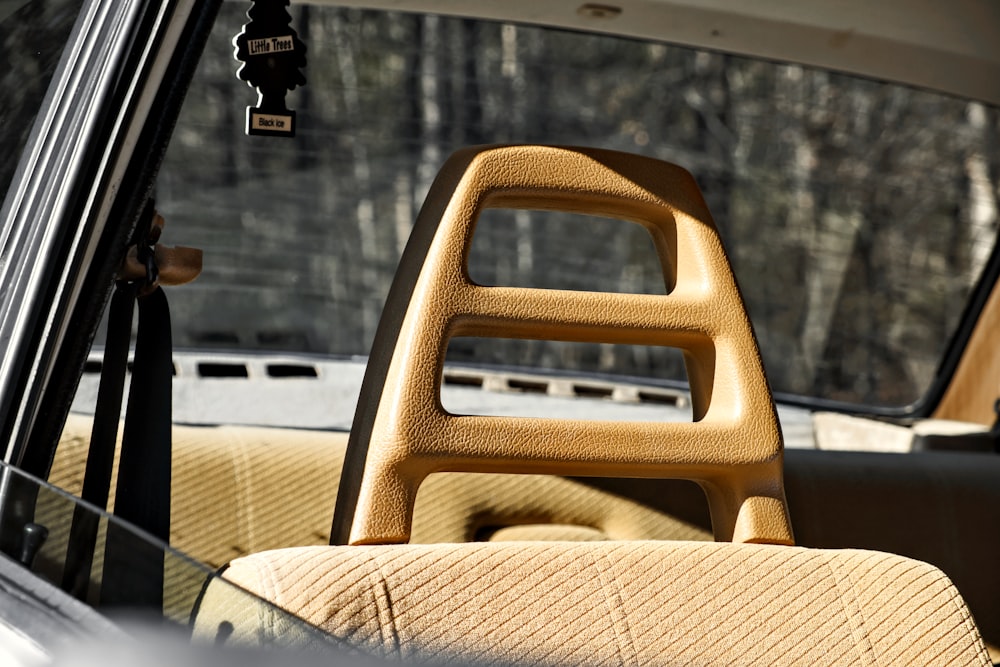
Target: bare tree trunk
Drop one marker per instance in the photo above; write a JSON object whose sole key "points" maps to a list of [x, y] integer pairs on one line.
{"points": [[430, 107], [305, 158], [403, 187], [365, 208], [982, 194], [472, 103]]}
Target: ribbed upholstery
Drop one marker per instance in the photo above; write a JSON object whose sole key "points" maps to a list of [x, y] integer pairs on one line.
{"points": [[235, 490], [615, 603]]}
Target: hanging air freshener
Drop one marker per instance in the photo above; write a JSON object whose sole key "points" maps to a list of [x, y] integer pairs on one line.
{"points": [[271, 53]]}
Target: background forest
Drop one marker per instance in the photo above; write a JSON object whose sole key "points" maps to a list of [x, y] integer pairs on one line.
{"points": [[858, 215]]}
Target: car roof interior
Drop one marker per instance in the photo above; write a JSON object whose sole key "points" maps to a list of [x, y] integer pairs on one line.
{"points": [[951, 48]]}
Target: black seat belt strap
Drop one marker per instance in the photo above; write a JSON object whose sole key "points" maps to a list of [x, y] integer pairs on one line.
{"points": [[104, 434], [143, 491], [133, 566]]}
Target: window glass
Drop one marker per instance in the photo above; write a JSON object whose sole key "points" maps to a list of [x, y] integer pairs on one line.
{"points": [[62, 541], [32, 37], [858, 214], [128, 575]]}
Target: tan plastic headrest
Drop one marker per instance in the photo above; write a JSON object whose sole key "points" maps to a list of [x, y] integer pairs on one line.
{"points": [[401, 433]]}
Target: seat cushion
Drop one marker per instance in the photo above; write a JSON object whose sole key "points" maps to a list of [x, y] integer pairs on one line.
{"points": [[614, 603]]}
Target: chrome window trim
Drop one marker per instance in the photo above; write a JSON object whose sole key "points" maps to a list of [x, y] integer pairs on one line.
{"points": [[69, 159]]}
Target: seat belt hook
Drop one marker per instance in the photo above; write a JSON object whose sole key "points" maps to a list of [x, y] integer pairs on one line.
{"points": [[146, 254], [148, 264], [147, 257]]}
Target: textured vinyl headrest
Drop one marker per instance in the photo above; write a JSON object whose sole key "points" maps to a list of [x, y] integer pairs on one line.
{"points": [[401, 433]]}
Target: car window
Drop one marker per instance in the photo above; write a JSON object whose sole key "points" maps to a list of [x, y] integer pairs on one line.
{"points": [[858, 214], [122, 562]]}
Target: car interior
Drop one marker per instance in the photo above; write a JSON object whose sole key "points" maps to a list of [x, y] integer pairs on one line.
{"points": [[560, 601], [584, 335]]}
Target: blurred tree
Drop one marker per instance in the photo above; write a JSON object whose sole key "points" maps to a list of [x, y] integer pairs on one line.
{"points": [[857, 215]]}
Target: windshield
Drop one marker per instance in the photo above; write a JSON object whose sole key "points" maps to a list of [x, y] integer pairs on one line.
{"points": [[858, 215]]}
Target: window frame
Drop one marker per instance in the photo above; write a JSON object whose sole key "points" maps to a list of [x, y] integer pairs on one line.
{"points": [[87, 170]]}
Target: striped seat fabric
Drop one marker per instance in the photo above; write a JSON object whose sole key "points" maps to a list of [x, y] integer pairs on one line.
{"points": [[612, 603]]}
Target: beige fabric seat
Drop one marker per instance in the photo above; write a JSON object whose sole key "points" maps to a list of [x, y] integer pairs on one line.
{"points": [[612, 603], [759, 602]]}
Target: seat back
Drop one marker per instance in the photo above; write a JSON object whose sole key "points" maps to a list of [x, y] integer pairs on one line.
{"points": [[587, 602]]}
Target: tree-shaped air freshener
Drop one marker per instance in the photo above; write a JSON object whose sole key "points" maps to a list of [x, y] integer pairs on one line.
{"points": [[271, 53]]}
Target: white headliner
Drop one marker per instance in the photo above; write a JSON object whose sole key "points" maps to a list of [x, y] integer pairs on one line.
{"points": [[948, 45]]}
